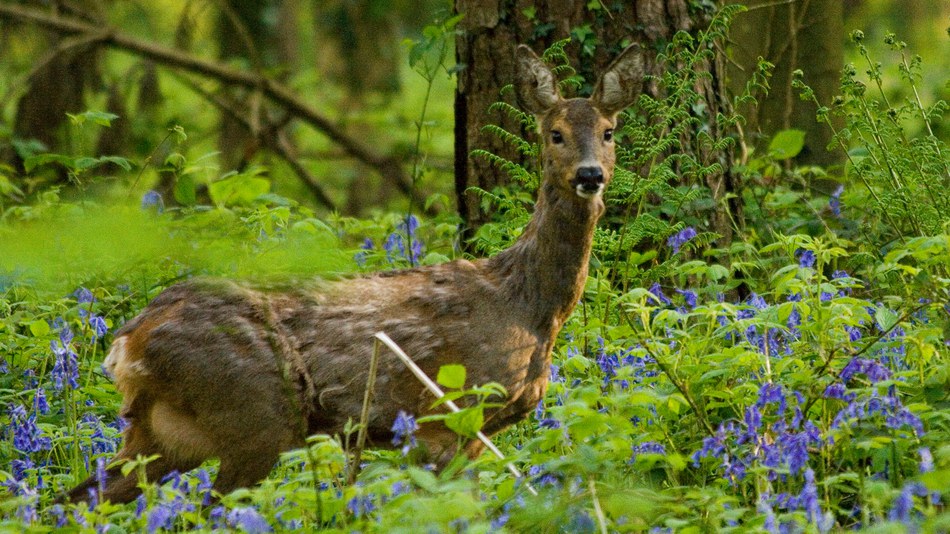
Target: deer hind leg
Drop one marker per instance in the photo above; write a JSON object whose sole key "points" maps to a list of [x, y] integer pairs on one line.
{"points": [[139, 441]]}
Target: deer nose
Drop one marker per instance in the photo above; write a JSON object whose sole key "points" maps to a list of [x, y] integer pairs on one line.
{"points": [[588, 181]]}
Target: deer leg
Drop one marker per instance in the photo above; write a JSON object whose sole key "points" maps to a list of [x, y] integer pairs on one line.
{"points": [[122, 489], [245, 469]]}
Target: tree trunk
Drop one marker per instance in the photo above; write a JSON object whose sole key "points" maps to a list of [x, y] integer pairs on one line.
{"points": [[798, 35], [485, 51]]}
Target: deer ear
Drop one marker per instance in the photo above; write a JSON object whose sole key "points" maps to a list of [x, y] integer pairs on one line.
{"points": [[621, 83], [535, 86]]}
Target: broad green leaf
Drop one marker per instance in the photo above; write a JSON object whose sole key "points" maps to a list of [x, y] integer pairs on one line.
{"points": [[787, 144], [467, 422], [452, 376], [239, 189], [39, 328]]}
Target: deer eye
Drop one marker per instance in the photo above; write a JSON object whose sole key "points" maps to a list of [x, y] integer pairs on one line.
{"points": [[556, 137], [608, 134]]}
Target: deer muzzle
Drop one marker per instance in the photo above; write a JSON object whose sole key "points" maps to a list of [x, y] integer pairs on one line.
{"points": [[588, 181]]}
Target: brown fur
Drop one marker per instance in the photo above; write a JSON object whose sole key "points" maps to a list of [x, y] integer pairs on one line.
{"points": [[215, 368]]}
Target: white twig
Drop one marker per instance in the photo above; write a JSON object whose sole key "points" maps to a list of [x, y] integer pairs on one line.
{"points": [[437, 391]]}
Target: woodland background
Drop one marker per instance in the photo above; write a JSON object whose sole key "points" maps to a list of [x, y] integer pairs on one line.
{"points": [[762, 341]]}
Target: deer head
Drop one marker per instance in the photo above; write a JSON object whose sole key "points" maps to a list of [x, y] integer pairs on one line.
{"points": [[577, 133]]}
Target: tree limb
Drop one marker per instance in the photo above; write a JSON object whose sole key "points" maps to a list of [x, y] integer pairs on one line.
{"points": [[387, 166], [269, 136]]}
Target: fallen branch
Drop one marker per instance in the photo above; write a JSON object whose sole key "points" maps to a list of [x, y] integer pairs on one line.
{"points": [[387, 166]]}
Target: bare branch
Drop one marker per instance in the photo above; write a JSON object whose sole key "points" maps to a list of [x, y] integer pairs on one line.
{"points": [[387, 166]]}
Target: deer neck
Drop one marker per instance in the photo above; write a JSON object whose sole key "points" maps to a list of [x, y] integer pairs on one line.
{"points": [[545, 270]]}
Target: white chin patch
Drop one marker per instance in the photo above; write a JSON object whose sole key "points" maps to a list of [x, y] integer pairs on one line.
{"points": [[584, 193]]}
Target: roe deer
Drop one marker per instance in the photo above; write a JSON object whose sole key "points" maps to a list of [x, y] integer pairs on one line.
{"points": [[214, 368]]}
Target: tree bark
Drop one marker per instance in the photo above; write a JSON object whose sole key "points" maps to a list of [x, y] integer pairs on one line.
{"points": [[803, 35]]}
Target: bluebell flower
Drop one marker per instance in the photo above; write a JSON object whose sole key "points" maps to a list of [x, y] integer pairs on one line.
{"points": [[160, 516], [903, 506], [360, 256], [58, 513], [765, 509], [806, 258], [870, 368], [361, 505], [689, 297], [98, 325], [657, 292], [216, 517], [809, 498], [39, 401], [680, 238], [398, 488], [141, 504], [404, 429], [541, 477], [647, 447], [19, 467], [834, 202], [27, 437], [248, 520], [84, 296], [26, 512], [153, 200], [770, 393], [540, 414]]}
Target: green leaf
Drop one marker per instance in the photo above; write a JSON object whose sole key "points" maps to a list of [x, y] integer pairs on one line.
{"points": [[42, 159], [787, 144], [885, 318], [39, 328], [452, 376], [185, 190], [239, 189], [467, 422]]}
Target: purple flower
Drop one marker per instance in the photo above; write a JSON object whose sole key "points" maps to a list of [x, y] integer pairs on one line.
{"points": [[98, 325], [153, 200], [20, 468], [681, 238], [834, 203], [904, 503], [160, 516], [657, 292], [360, 256], [27, 437], [689, 297], [39, 401], [361, 505], [809, 498], [84, 296], [248, 520], [647, 447], [806, 258], [404, 429], [764, 508]]}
